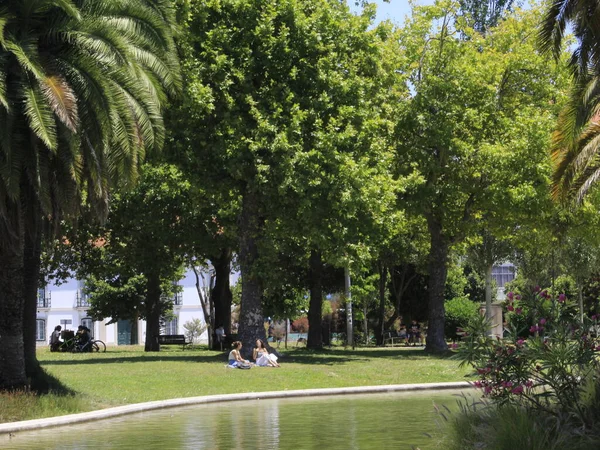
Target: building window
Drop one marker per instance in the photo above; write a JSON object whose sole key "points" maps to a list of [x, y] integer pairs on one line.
{"points": [[43, 298], [82, 298], [178, 299], [170, 326], [40, 330], [503, 274], [89, 323]]}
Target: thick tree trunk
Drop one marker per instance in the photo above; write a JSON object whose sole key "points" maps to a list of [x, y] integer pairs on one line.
{"points": [[315, 309], [31, 275], [438, 272], [12, 354], [383, 271], [252, 322], [153, 312], [221, 293]]}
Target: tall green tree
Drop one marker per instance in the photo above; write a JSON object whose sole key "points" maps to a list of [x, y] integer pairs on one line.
{"points": [[142, 250], [277, 90], [82, 84], [476, 129]]}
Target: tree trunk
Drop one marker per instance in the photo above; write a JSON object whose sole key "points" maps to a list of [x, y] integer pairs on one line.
{"points": [[153, 313], [252, 322], [204, 294], [438, 272], [383, 271], [12, 353], [31, 273], [221, 293], [315, 309]]}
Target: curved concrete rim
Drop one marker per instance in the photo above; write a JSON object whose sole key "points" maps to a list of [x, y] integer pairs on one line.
{"points": [[187, 401]]}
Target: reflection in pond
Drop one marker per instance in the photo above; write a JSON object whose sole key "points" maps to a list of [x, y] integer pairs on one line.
{"points": [[375, 421]]}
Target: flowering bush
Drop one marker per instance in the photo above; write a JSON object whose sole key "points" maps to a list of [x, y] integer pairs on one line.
{"points": [[545, 360]]}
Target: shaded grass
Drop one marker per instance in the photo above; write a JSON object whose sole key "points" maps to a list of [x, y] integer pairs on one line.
{"points": [[126, 375]]}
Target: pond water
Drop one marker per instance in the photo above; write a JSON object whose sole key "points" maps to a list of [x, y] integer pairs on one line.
{"points": [[368, 421]]}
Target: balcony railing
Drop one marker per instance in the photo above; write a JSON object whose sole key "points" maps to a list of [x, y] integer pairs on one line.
{"points": [[44, 300], [82, 300]]}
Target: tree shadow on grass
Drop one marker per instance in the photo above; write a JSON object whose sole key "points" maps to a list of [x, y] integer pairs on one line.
{"points": [[151, 357], [44, 383]]}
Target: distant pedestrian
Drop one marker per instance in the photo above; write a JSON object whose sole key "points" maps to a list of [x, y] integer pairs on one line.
{"points": [[220, 333]]}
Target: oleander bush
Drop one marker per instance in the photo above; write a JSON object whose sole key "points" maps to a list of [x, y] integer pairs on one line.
{"points": [[544, 375]]}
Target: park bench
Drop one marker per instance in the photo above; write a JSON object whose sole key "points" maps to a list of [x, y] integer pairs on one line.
{"points": [[173, 339], [391, 338]]}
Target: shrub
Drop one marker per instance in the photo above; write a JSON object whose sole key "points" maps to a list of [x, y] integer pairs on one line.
{"points": [[459, 312], [193, 330], [548, 371], [300, 325]]}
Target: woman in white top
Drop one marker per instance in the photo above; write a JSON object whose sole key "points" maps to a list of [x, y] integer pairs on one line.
{"points": [[262, 357], [234, 355]]}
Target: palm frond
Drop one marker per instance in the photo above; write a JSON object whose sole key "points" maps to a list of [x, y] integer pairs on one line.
{"points": [[62, 100], [39, 114]]}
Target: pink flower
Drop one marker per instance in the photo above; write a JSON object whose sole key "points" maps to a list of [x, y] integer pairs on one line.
{"points": [[518, 390], [518, 297], [478, 384], [545, 294], [562, 298], [542, 321], [510, 308], [529, 383], [533, 329], [454, 346], [537, 289], [487, 390], [597, 348], [507, 384], [510, 295], [518, 311], [595, 317], [520, 342]]}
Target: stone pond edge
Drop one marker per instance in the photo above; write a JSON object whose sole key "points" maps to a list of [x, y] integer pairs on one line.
{"points": [[71, 419]]}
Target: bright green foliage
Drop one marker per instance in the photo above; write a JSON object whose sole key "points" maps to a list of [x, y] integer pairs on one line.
{"points": [[476, 129], [289, 106], [459, 312]]}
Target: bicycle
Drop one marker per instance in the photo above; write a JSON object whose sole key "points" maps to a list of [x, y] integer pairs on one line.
{"points": [[93, 345]]}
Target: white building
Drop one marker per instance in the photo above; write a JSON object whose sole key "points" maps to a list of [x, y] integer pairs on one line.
{"points": [[67, 305]]}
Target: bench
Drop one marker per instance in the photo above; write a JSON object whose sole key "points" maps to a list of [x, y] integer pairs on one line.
{"points": [[391, 338], [173, 339]]}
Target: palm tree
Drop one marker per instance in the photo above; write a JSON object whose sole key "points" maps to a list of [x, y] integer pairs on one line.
{"points": [[82, 86], [576, 140]]}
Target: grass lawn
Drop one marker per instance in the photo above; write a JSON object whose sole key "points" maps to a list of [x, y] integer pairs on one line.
{"points": [[125, 375]]}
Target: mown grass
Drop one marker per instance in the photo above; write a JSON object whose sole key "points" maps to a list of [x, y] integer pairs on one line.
{"points": [[126, 375]]}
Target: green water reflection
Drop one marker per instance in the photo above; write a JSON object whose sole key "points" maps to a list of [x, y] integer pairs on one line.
{"points": [[381, 421]]}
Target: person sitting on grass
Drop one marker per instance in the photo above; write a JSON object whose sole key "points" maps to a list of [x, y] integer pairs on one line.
{"points": [[235, 358], [262, 356], [55, 341]]}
